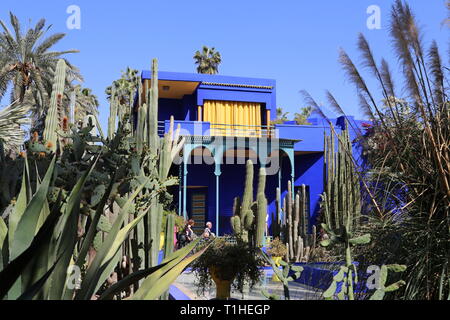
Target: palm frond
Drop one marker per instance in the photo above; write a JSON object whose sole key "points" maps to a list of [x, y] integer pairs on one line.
{"points": [[12, 118], [386, 75], [309, 100], [333, 103], [435, 65]]}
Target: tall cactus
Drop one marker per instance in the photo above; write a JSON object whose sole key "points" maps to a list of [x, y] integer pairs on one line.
{"points": [[293, 229], [169, 235], [341, 208], [341, 201], [261, 209], [140, 131], [53, 120], [113, 109], [249, 217], [152, 114], [166, 149]]}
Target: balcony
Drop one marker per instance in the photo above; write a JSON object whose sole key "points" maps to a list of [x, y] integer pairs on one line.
{"points": [[207, 129]]}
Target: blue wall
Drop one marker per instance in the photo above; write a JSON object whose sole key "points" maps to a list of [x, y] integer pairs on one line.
{"points": [[309, 171], [308, 151], [231, 90]]}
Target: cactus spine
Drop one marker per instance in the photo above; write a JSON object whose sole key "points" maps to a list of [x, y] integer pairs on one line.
{"points": [[249, 217], [53, 118]]}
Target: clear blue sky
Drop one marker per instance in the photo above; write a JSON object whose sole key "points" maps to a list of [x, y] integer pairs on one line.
{"points": [[294, 42]]}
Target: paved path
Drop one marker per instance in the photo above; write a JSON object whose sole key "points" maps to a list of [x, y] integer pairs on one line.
{"points": [[186, 283]]}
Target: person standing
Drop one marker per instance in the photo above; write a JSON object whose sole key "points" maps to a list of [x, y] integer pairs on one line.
{"points": [[187, 234], [207, 234]]}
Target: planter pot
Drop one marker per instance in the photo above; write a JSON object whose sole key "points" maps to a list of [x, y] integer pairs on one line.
{"points": [[276, 260], [223, 286], [161, 240]]}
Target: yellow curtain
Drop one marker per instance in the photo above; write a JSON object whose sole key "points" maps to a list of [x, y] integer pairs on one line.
{"points": [[233, 118]]}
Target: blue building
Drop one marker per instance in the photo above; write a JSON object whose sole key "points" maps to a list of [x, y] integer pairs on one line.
{"points": [[227, 120]]}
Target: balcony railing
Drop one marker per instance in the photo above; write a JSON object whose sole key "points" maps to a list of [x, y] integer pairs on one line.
{"points": [[203, 128]]}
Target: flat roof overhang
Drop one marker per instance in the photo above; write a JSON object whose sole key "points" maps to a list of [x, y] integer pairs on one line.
{"points": [[209, 81], [174, 89]]}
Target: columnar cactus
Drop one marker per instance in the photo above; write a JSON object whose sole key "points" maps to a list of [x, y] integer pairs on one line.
{"points": [[341, 201], [140, 130], [261, 209], [53, 120], [249, 217], [166, 149], [341, 208], [152, 114], [169, 235], [293, 228], [113, 108]]}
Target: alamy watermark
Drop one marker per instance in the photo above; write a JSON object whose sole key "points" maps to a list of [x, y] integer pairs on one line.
{"points": [[373, 281], [73, 281], [374, 20], [74, 19]]}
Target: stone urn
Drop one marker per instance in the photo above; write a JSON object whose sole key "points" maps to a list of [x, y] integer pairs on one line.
{"points": [[223, 282]]}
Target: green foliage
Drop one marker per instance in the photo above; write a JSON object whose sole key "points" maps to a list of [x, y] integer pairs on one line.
{"points": [[28, 61], [302, 117], [88, 211], [12, 118], [406, 176], [235, 261]]}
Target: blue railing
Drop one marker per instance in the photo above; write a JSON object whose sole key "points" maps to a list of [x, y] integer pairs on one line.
{"points": [[204, 128]]}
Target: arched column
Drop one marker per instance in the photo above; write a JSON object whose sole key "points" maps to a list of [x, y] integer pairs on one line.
{"points": [[217, 173], [290, 154]]}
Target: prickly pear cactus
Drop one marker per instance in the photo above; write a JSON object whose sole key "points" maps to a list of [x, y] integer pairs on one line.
{"points": [[289, 273], [382, 288]]}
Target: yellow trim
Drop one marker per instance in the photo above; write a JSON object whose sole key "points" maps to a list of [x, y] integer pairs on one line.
{"points": [[236, 85]]}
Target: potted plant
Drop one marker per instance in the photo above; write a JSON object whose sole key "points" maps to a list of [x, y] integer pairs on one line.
{"points": [[227, 263]]}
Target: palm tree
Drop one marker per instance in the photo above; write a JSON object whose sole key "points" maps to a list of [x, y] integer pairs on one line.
{"points": [[26, 61], [125, 87], [85, 103], [208, 60], [281, 116], [302, 117]]}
